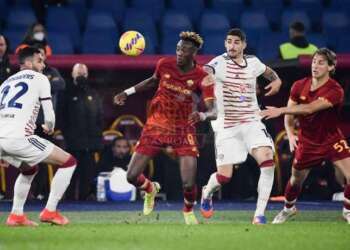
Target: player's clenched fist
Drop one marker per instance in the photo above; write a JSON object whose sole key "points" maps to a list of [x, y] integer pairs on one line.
{"points": [[120, 98]]}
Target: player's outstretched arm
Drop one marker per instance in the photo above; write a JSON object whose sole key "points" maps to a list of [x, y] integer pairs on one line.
{"points": [[49, 116], [300, 109], [151, 82], [275, 82], [289, 126]]}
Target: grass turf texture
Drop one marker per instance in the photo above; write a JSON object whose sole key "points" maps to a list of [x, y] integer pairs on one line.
{"points": [[166, 230]]}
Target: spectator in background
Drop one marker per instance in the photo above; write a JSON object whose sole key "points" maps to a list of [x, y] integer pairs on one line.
{"points": [[36, 35], [5, 66], [58, 84], [80, 115], [298, 44], [118, 154]]}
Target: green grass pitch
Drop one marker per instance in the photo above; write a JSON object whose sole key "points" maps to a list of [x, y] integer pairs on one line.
{"points": [[166, 230]]}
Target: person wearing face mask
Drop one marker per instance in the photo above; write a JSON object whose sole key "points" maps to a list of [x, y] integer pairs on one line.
{"points": [[36, 36], [80, 118], [5, 66]]}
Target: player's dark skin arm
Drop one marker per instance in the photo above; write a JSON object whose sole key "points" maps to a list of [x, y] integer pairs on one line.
{"points": [[275, 82], [300, 109], [146, 84]]}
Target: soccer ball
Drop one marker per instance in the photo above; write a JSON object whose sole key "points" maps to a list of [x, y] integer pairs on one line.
{"points": [[132, 43]]}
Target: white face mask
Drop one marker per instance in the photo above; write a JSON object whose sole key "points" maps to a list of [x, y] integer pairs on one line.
{"points": [[39, 36]]}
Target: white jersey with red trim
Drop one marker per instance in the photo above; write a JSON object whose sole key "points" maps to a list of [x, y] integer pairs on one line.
{"points": [[235, 90], [20, 97]]}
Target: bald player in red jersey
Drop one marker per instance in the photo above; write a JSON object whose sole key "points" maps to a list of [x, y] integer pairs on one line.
{"points": [[171, 120], [315, 101]]}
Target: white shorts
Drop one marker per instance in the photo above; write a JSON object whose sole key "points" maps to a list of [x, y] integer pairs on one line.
{"points": [[31, 150], [233, 145]]}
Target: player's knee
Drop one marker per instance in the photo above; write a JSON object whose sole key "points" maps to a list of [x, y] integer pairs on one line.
{"points": [[131, 177], [223, 179], [29, 170], [71, 162], [267, 163]]}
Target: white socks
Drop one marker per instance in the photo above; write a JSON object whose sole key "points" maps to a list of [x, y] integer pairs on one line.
{"points": [[212, 186], [21, 190], [59, 185], [264, 189]]}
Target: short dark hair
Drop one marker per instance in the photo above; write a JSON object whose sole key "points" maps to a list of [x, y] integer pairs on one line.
{"points": [[330, 56], [27, 52], [297, 26], [237, 32], [120, 138]]}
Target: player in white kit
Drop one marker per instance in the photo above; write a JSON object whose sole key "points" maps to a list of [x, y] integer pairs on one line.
{"points": [[238, 129], [20, 98]]}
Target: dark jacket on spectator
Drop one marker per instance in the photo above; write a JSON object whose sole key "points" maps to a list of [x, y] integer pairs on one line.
{"points": [[80, 117], [5, 68]]}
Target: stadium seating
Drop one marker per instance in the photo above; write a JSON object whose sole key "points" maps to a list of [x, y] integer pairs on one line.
{"points": [[268, 45], [98, 42], [192, 8], [174, 22], [232, 8], [60, 43], [68, 25], [154, 7], [336, 22], [254, 21], [115, 7], [290, 16], [100, 21], [27, 17], [214, 44], [14, 37], [209, 27], [140, 20]]}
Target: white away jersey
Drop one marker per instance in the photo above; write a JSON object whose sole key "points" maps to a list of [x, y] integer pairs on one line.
{"points": [[235, 90], [20, 97]]}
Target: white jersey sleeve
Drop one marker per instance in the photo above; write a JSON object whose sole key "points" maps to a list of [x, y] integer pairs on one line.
{"points": [[258, 66], [45, 88]]}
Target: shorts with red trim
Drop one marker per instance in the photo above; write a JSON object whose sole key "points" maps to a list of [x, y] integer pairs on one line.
{"points": [[308, 156], [154, 139]]}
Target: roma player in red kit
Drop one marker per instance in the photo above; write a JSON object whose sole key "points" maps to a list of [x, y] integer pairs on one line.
{"points": [[171, 120], [315, 101]]}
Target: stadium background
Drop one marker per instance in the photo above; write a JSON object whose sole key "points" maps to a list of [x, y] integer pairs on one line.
{"points": [[88, 32]]}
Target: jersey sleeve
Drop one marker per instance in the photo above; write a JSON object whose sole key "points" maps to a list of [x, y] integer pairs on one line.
{"points": [[213, 64], [259, 68], [295, 92], [45, 88], [159, 67], [207, 87], [335, 96]]}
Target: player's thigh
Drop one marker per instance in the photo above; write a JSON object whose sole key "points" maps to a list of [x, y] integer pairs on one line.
{"points": [[255, 136], [138, 163], [30, 150], [230, 150], [344, 166], [57, 157]]}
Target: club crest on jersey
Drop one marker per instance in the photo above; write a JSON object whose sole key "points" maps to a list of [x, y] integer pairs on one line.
{"points": [[167, 76], [190, 83], [302, 98]]}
